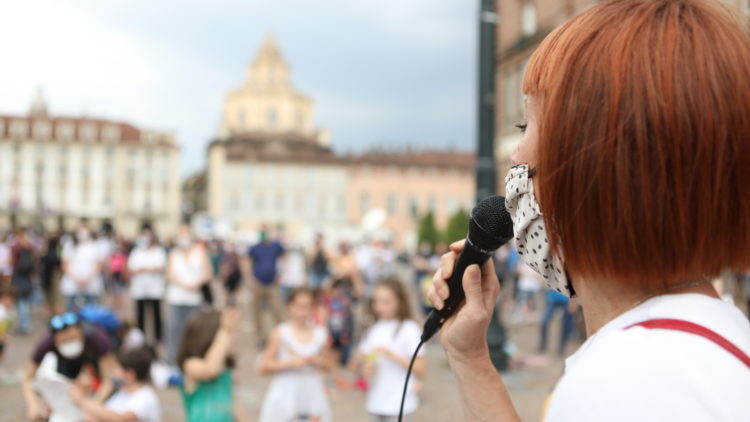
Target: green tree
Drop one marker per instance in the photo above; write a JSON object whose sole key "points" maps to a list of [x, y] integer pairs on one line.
{"points": [[428, 232], [458, 226]]}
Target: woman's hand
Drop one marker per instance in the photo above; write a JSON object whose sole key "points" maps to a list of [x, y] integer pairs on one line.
{"points": [[298, 362], [76, 395], [230, 320], [464, 335], [385, 351]]}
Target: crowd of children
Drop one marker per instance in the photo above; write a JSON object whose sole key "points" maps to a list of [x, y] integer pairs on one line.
{"points": [[351, 328]]}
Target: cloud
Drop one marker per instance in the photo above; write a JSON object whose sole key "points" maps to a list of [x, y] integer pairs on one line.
{"points": [[378, 70]]}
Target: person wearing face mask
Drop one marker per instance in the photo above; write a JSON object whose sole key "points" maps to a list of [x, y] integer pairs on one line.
{"points": [[82, 270], [188, 268], [71, 347], [135, 401], [146, 264], [631, 191]]}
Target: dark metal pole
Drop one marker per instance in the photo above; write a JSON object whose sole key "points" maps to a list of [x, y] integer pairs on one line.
{"points": [[486, 171], [485, 163]]}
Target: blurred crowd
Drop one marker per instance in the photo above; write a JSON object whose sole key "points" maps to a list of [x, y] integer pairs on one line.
{"points": [[127, 317]]}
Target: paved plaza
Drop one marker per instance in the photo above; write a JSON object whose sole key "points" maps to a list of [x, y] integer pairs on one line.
{"points": [[529, 383]]}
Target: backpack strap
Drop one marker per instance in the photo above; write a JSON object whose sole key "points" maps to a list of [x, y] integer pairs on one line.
{"points": [[699, 330]]}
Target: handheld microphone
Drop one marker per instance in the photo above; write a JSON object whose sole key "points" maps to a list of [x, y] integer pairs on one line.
{"points": [[490, 227]]}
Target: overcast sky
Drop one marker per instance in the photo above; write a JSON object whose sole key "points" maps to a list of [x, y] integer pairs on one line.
{"points": [[381, 72]]}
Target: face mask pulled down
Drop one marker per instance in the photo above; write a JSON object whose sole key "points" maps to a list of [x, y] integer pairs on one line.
{"points": [[529, 230]]}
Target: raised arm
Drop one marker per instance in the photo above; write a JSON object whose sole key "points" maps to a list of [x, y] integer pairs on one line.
{"points": [[210, 366], [483, 395]]}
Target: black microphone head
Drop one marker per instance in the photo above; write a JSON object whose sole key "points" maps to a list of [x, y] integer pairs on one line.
{"points": [[490, 226]]}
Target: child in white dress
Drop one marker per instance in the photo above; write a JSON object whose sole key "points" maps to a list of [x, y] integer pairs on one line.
{"points": [[295, 354], [385, 351]]}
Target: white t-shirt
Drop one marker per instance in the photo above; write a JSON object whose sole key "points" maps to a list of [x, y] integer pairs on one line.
{"points": [[188, 267], [82, 260], [384, 395], [147, 285], [644, 375], [143, 402]]}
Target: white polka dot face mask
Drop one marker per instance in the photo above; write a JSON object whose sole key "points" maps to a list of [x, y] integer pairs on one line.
{"points": [[530, 233]]}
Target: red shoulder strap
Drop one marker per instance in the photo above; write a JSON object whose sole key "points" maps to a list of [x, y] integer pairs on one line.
{"points": [[689, 327]]}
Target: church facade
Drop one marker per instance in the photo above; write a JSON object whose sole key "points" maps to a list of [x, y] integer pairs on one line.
{"points": [[271, 166]]}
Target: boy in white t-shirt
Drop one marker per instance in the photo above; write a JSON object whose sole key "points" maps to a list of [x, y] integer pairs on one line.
{"points": [[134, 401]]}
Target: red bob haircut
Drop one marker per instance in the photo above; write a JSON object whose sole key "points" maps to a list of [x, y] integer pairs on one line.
{"points": [[644, 141]]}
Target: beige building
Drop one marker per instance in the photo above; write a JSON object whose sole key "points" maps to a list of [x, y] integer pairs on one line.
{"points": [[406, 185], [279, 180], [271, 166], [523, 25], [55, 170], [267, 101]]}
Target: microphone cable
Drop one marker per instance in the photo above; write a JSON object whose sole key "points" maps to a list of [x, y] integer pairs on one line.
{"points": [[406, 383]]}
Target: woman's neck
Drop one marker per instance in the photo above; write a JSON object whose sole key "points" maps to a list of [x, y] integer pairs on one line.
{"points": [[604, 301]]}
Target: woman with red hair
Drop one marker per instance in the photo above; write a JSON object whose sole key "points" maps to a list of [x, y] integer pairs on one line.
{"points": [[631, 190]]}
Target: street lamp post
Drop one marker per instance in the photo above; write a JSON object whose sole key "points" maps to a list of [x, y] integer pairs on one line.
{"points": [[486, 173]]}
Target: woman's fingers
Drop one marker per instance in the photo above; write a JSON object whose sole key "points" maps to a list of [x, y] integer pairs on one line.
{"points": [[439, 290], [457, 246], [447, 261], [490, 284]]}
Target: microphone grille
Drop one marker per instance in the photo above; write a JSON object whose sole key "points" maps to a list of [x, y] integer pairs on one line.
{"points": [[491, 217]]}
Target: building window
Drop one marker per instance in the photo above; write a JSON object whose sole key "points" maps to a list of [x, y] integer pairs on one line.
{"points": [[65, 131], [260, 202], [453, 205], [413, 207], [391, 205], [323, 206], [342, 204], [19, 129], [42, 129], [88, 132], [111, 133], [528, 23], [431, 204], [271, 117], [364, 203], [241, 116]]}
